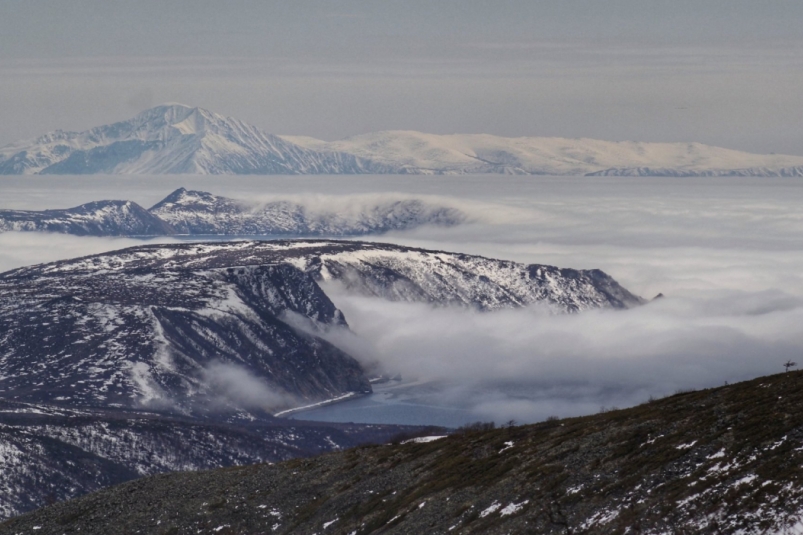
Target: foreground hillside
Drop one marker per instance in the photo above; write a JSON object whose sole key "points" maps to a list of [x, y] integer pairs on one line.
{"points": [[53, 453], [724, 460]]}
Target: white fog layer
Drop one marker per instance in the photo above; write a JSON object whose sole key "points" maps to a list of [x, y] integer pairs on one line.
{"points": [[725, 252]]}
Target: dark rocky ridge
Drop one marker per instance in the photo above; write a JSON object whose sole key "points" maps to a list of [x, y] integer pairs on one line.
{"points": [[100, 218], [193, 213], [726, 460]]}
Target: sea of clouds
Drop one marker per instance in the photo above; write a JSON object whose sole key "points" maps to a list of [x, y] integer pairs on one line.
{"points": [[725, 252]]}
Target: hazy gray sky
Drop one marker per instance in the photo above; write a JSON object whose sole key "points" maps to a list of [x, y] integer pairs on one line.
{"points": [[725, 72]]}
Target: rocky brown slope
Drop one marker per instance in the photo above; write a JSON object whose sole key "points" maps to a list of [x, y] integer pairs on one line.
{"points": [[723, 460]]}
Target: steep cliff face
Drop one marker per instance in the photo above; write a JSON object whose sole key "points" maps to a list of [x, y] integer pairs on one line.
{"points": [[162, 338], [720, 461], [437, 277]]}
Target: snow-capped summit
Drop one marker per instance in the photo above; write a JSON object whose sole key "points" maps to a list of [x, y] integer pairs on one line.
{"points": [[174, 138], [169, 139]]}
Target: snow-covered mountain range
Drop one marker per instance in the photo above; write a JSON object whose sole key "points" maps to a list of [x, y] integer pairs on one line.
{"points": [[195, 213], [174, 138]]}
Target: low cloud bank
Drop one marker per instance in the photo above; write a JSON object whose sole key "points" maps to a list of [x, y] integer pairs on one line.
{"points": [[528, 364], [727, 253]]}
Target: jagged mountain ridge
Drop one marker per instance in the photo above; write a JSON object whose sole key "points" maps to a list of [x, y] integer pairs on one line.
{"points": [[174, 138], [185, 212], [197, 212], [725, 460]]}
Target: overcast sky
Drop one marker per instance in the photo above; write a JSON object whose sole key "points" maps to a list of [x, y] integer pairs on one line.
{"points": [[724, 72]]}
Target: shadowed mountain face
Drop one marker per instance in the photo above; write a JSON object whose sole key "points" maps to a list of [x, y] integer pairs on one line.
{"points": [[191, 213], [720, 461], [176, 326], [173, 138], [165, 338]]}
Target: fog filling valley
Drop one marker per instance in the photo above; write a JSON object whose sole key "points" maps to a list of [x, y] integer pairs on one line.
{"points": [[725, 252]]}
